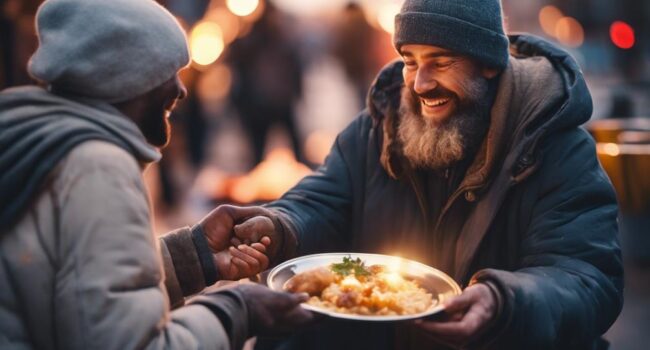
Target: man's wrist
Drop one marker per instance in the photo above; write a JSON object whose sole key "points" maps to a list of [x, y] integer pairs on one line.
{"points": [[205, 254]]}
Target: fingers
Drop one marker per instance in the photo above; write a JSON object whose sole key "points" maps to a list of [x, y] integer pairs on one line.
{"points": [[255, 228], [463, 329], [259, 247], [266, 240], [255, 259], [459, 303], [234, 241], [242, 213]]}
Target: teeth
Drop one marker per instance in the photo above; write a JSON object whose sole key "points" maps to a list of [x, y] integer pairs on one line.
{"points": [[435, 103]]}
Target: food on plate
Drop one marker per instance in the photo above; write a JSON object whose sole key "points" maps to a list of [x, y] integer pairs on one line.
{"points": [[351, 287]]}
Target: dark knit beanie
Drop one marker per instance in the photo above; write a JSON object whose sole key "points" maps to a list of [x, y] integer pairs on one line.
{"points": [[470, 27]]}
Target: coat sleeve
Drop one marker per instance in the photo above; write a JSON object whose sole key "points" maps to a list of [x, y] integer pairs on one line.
{"points": [[109, 291], [569, 288], [318, 210]]}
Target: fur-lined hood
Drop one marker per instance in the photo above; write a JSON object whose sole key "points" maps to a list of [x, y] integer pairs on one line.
{"points": [[541, 91]]}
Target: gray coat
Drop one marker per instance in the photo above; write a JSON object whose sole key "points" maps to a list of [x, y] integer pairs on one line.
{"points": [[81, 268]]}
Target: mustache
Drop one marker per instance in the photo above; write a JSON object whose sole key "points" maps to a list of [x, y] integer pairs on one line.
{"points": [[437, 93]]}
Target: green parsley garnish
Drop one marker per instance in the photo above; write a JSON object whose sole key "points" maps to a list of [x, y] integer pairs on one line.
{"points": [[349, 266]]}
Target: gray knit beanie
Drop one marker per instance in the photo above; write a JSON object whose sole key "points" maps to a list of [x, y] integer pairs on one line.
{"points": [[470, 27], [111, 50]]}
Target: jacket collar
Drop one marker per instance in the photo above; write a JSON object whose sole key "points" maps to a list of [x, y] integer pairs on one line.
{"points": [[540, 91]]}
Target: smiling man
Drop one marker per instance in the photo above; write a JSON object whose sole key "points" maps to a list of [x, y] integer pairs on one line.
{"points": [[469, 158]]}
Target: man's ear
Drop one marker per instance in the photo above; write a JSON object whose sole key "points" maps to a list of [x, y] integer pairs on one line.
{"points": [[489, 73]]}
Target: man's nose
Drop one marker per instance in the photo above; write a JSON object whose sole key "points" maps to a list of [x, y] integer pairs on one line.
{"points": [[424, 82]]}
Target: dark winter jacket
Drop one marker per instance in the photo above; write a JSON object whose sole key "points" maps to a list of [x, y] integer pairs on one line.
{"points": [[534, 215]]}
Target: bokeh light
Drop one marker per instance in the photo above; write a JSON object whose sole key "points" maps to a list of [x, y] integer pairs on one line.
{"points": [[622, 35], [242, 8], [569, 32], [386, 16], [548, 19], [206, 43], [228, 22]]}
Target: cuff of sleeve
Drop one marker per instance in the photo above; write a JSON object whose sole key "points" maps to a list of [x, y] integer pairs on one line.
{"points": [[174, 291], [503, 316], [185, 259], [210, 274], [289, 238], [231, 310]]}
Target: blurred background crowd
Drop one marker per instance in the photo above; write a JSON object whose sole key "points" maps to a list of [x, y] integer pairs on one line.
{"points": [[273, 81]]}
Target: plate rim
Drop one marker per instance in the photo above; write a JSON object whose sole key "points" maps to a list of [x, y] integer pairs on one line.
{"points": [[438, 308]]}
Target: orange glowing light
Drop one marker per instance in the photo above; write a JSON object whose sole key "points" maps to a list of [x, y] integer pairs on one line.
{"points": [[242, 8], [569, 32], [271, 178], [318, 145], [548, 18], [214, 84], [206, 43], [611, 149], [622, 35], [228, 22], [386, 16]]}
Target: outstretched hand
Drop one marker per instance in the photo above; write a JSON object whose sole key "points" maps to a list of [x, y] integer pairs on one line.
{"points": [[239, 258], [469, 314]]}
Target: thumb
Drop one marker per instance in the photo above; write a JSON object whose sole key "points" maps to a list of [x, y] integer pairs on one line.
{"points": [[290, 300], [459, 303]]}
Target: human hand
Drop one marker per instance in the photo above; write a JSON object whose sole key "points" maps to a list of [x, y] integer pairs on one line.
{"points": [[272, 312], [243, 261], [469, 314], [231, 225]]}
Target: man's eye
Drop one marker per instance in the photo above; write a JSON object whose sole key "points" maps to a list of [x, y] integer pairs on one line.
{"points": [[444, 64], [410, 64]]}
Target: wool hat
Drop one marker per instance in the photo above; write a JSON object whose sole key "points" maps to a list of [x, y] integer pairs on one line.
{"points": [[470, 27], [111, 50]]}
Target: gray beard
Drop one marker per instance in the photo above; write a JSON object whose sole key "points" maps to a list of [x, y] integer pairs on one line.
{"points": [[427, 145]]}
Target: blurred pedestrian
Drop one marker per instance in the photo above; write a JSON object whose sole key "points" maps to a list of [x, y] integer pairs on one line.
{"points": [[268, 81], [355, 47]]}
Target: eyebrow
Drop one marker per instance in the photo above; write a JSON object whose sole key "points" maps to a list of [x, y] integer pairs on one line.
{"points": [[433, 54]]}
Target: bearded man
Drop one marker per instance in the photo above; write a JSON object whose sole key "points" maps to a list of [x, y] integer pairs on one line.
{"points": [[469, 158], [81, 268]]}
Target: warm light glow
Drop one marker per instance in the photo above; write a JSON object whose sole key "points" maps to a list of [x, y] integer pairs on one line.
{"points": [[242, 8], [393, 279], [548, 18], [206, 43], [350, 282], [396, 265], [569, 32], [611, 149], [214, 84], [318, 145], [228, 22], [271, 178], [386, 16], [622, 35]]}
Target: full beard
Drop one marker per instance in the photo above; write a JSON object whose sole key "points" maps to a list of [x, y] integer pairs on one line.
{"points": [[429, 145]]}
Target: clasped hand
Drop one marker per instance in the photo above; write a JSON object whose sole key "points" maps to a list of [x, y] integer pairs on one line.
{"points": [[241, 238]]}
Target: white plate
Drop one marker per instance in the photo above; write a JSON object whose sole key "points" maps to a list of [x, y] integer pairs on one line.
{"points": [[436, 282]]}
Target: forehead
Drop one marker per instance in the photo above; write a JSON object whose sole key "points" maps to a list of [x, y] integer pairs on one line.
{"points": [[425, 51]]}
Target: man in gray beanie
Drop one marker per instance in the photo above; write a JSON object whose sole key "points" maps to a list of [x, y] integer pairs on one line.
{"points": [[469, 158], [81, 268]]}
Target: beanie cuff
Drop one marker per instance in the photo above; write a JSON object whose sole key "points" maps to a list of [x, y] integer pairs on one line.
{"points": [[488, 47]]}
